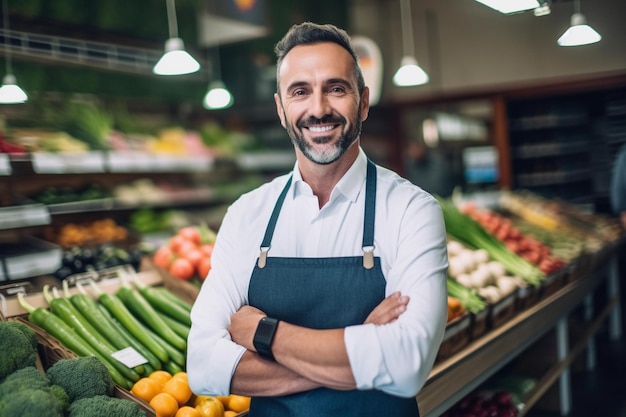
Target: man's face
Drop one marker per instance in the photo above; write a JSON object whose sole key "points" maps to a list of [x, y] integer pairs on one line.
{"points": [[319, 102]]}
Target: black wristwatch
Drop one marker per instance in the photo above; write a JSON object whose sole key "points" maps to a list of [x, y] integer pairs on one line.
{"points": [[264, 336]]}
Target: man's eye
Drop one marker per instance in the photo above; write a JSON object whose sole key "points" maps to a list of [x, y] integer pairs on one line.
{"points": [[337, 90], [299, 92]]}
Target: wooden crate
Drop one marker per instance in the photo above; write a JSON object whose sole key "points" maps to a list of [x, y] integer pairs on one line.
{"points": [[456, 337]]}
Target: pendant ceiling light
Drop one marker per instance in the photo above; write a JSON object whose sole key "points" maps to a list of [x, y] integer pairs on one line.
{"points": [[217, 96], [579, 32], [10, 92], [410, 73], [175, 60], [510, 6]]}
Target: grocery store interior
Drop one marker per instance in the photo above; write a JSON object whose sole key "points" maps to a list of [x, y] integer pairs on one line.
{"points": [[107, 156]]}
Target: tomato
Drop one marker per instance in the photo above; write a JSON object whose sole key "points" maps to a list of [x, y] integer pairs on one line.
{"points": [[207, 248], [191, 233], [185, 247], [195, 256], [181, 268], [163, 257], [211, 407], [176, 242], [204, 267]]}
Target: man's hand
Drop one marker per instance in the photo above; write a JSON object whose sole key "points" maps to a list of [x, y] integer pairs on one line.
{"points": [[243, 325], [389, 309]]}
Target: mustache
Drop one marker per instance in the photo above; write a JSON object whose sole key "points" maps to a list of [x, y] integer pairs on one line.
{"points": [[312, 121]]}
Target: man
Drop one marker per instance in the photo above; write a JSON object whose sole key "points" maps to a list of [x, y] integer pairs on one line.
{"points": [[618, 186], [327, 293]]}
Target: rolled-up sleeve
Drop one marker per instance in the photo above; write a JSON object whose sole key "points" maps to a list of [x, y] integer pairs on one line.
{"points": [[398, 357]]}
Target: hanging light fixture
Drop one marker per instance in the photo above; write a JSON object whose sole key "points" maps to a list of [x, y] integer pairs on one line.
{"points": [[579, 32], [409, 73], [510, 6], [175, 61], [217, 96], [10, 92]]}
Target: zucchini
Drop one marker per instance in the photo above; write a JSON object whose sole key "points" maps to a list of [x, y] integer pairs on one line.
{"points": [[137, 304], [165, 304], [171, 297], [116, 307], [179, 328], [153, 362], [68, 337], [63, 308]]}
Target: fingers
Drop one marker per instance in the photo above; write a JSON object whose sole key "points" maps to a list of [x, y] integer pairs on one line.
{"points": [[389, 309]]}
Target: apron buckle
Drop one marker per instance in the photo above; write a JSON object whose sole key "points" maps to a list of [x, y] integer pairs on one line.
{"points": [[263, 257], [368, 257]]}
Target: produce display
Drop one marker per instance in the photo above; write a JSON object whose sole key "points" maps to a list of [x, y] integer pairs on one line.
{"points": [[103, 323], [86, 233], [72, 387], [187, 254], [525, 246], [170, 396], [469, 232], [78, 259]]}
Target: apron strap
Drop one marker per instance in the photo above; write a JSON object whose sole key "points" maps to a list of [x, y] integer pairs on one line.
{"points": [[369, 217], [269, 231]]}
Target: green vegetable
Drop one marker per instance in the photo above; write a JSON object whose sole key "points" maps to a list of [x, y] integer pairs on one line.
{"points": [[31, 402], [172, 298], [104, 406], [81, 377], [136, 303], [88, 308], [16, 345], [179, 328], [118, 310], [173, 353], [27, 377], [467, 297], [155, 298], [63, 308], [469, 232], [55, 326], [153, 361]]}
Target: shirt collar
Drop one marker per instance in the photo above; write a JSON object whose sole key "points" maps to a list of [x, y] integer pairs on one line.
{"points": [[349, 185]]}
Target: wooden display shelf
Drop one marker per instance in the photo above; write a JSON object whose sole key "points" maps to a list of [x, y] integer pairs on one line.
{"points": [[460, 374]]}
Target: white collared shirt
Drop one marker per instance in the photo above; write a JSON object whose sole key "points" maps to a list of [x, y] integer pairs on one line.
{"points": [[409, 238]]}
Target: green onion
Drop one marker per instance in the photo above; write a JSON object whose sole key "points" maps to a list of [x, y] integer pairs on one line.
{"points": [[469, 232]]}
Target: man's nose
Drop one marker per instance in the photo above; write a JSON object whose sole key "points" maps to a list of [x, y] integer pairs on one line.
{"points": [[320, 105]]}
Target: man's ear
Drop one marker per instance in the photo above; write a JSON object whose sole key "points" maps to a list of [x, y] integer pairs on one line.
{"points": [[365, 103], [279, 110]]}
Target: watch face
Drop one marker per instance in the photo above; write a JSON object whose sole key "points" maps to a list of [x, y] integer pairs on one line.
{"points": [[265, 329]]}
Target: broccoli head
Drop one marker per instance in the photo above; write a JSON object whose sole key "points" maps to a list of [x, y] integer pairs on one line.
{"points": [[16, 345], [28, 332], [28, 377], [81, 377], [30, 402], [104, 406]]}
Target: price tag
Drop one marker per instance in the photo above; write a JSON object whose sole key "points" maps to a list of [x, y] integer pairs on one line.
{"points": [[20, 216], [129, 357], [5, 164], [64, 163]]}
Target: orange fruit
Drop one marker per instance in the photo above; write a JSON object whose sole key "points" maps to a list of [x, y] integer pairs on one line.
{"points": [[161, 377], [211, 407], [199, 398], [238, 403], [179, 389], [187, 411], [230, 413], [146, 388], [181, 375], [224, 400], [164, 405]]}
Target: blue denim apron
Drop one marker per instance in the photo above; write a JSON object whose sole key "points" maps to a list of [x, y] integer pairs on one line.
{"points": [[324, 293]]}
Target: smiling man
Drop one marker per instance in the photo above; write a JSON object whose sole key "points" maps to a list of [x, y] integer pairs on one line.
{"points": [[327, 293]]}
